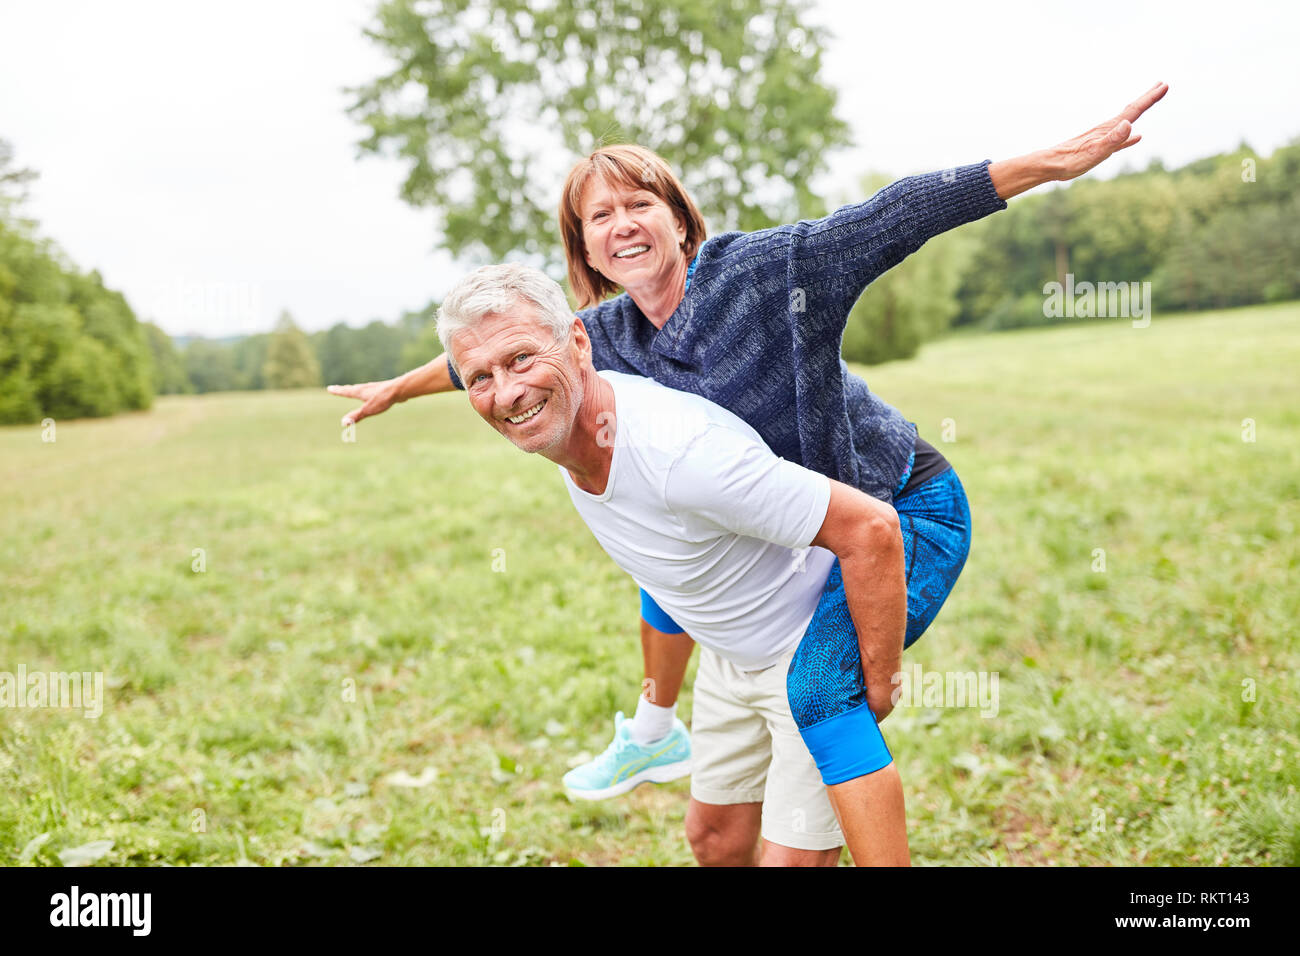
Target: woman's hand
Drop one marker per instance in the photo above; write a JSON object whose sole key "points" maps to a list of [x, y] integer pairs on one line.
{"points": [[378, 397], [1076, 156], [429, 379]]}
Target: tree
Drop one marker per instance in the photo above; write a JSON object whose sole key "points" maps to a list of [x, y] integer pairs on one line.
{"points": [[290, 361], [210, 367], [169, 376], [1218, 232], [490, 102], [107, 318], [1244, 255], [423, 348], [69, 346], [367, 354], [912, 302], [332, 351], [249, 357], [13, 180]]}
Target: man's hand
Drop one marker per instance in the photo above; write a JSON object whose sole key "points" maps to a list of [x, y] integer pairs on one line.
{"points": [[864, 534], [881, 704], [378, 397]]}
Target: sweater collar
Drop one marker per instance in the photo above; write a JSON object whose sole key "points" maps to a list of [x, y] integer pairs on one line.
{"points": [[675, 341]]}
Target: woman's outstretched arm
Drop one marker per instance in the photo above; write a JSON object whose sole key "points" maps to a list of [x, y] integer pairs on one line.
{"points": [[429, 378], [832, 260], [1075, 156]]}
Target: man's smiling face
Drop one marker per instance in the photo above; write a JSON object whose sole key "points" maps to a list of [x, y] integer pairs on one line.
{"points": [[520, 380]]}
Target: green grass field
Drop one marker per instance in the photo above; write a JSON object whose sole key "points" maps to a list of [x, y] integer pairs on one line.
{"points": [[349, 680]]}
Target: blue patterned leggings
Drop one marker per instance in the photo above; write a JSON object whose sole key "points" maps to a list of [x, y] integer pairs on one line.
{"points": [[828, 695]]}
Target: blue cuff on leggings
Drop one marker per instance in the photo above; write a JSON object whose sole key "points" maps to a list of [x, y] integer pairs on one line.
{"points": [[848, 745], [654, 615]]}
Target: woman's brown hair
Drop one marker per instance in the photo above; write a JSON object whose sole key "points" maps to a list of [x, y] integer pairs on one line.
{"points": [[635, 167]]}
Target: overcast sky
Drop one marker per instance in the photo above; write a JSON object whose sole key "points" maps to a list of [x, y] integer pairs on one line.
{"points": [[200, 157]]}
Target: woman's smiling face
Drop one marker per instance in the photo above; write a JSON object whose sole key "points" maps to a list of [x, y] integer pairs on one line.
{"points": [[631, 235]]}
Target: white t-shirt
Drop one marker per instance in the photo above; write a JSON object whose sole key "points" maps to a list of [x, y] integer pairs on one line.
{"points": [[709, 521]]}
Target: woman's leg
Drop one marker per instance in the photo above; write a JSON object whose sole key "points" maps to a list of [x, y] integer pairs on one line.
{"points": [[825, 681], [872, 817], [665, 656], [828, 700], [655, 744], [936, 525]]}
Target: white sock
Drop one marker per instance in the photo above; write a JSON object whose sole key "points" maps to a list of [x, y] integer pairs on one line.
{"points": [[651, 722]]}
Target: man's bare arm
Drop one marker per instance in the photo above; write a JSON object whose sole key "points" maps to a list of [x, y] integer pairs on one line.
{"points": [[864, 534], [428, 379]]}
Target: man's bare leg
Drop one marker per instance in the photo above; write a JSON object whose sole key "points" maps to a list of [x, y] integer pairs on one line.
{"points": [[724, 834], [728, 835], [774, 854]]}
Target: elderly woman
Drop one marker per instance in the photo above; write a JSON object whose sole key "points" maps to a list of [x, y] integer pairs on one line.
{"points": [[753, 322]]}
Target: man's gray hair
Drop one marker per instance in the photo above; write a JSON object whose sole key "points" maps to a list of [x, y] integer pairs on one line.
{"points": [[498, 289]]}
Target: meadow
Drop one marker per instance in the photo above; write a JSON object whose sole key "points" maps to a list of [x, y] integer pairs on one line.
{"points": [[388, 651]]}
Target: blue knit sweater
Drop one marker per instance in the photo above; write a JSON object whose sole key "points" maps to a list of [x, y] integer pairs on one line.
{"points": [[759, 329]]}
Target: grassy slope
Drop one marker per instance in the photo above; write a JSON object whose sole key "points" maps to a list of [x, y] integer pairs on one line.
{"points": [[1121, 737]]}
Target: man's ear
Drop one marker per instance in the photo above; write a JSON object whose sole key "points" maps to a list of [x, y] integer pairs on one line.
{"points": [[581, 340]]}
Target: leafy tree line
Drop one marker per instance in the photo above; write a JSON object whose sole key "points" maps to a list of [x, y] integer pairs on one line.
{"points": [[291, 358], [72, 348], [487, 103], [1219, 232], [1203, 235], [69, 346]]}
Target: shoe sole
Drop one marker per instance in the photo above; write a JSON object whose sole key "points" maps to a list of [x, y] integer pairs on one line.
{"points": [[665, 773]]}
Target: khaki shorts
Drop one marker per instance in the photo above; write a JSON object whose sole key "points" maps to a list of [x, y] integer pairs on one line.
{"points": [[745, 748]]}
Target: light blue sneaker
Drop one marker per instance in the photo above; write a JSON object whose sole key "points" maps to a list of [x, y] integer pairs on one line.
{"points": [[625, 764]]}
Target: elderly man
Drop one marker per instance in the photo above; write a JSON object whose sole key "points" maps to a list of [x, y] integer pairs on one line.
{"points": [[689, 501]]}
